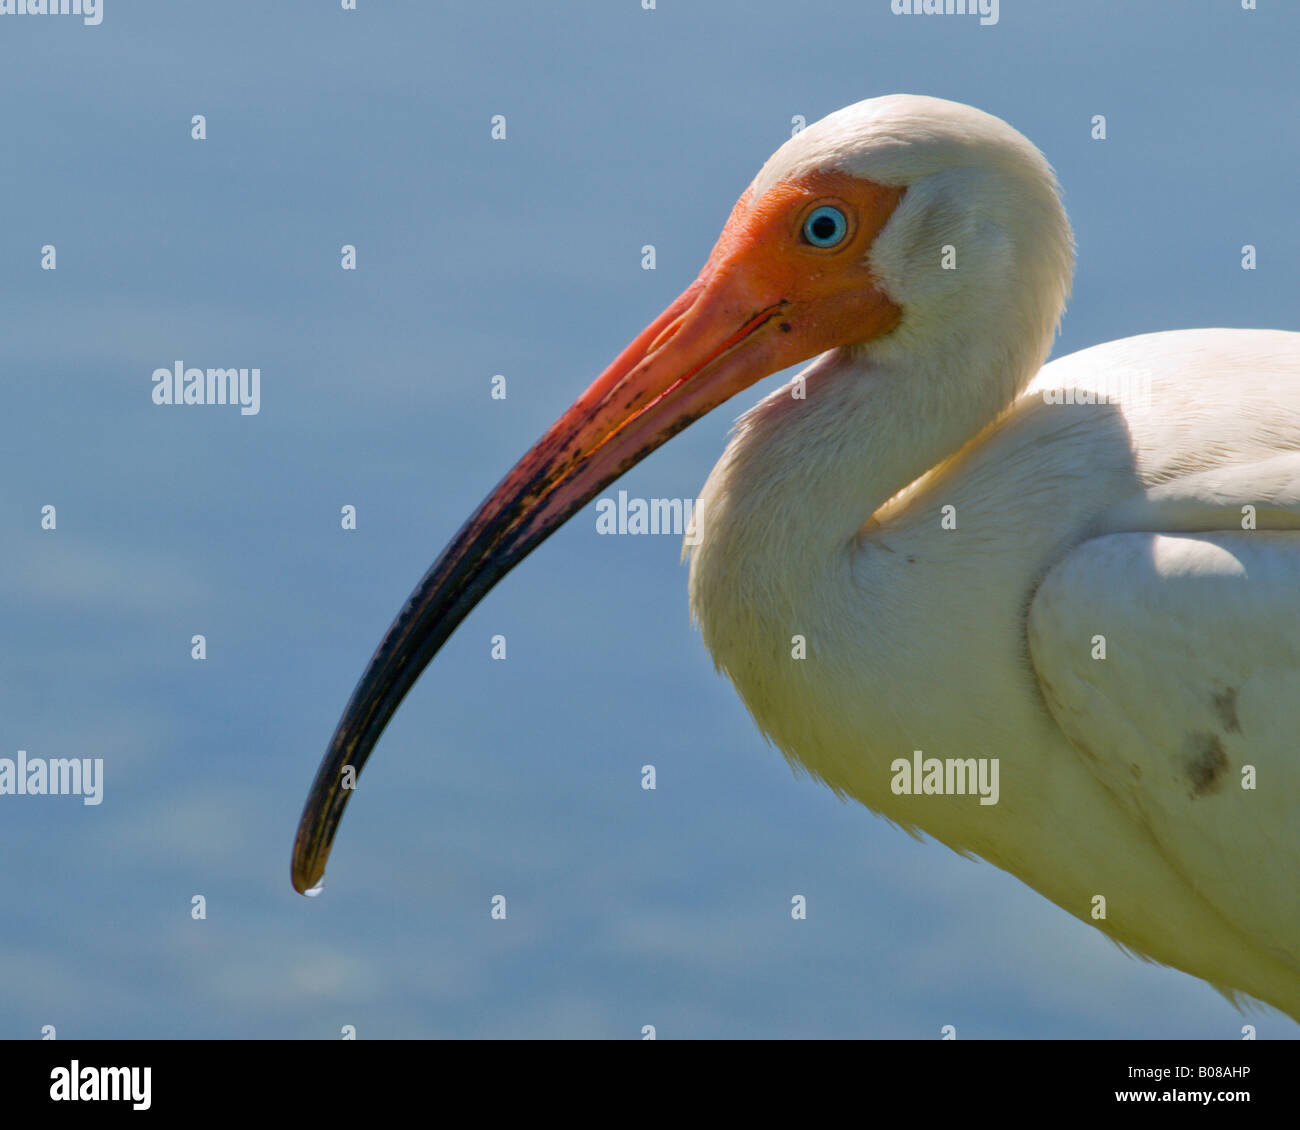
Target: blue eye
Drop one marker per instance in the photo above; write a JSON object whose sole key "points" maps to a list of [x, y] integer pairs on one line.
{"points": [[825, 226]]}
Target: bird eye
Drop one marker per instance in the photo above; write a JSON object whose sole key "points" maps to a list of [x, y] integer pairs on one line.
{"points": [[825, 226]]}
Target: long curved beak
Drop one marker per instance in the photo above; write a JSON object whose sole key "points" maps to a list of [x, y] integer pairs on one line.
{"points": [[719, 337]]}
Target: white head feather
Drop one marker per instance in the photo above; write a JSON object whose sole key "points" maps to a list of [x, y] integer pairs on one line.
{"points": [[975, 186]]}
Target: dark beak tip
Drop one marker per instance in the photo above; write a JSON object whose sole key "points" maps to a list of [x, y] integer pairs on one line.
{"points": [[306, 874]]}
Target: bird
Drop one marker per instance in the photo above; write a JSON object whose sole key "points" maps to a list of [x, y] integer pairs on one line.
{"points": [[1043, 613]]}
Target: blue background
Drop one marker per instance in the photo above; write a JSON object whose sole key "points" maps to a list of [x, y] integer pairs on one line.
{"points": [[523, 258]]}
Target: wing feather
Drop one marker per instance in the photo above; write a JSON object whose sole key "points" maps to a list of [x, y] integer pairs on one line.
{"points": [[1172, 663]]}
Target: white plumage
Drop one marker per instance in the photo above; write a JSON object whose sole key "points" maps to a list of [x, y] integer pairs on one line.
{"points": [[1119, 777]]}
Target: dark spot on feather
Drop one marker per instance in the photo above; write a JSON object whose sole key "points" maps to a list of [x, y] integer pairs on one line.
{"points": [[1083, 747], [1207, 765], [1225, 706], [785, 327]]}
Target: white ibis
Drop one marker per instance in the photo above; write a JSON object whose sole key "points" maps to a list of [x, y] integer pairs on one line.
{"points": [[1050, 617]]}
